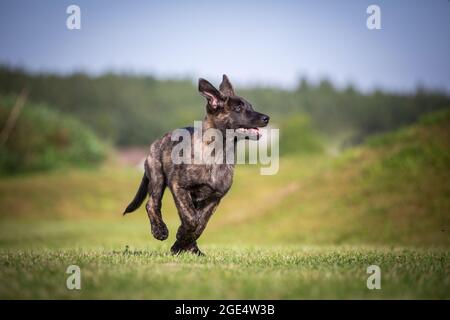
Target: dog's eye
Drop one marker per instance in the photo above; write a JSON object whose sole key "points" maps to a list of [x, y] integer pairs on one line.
{"points": [[238, 108]]}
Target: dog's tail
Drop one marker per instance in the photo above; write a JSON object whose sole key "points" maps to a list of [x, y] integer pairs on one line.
{"points": [[140, 195]]}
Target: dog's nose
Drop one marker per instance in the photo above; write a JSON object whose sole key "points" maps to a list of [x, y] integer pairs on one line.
{"points": [[265, 119]]}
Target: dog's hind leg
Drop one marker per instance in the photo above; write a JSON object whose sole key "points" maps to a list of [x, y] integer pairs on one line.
{"points": [[156, 189]]}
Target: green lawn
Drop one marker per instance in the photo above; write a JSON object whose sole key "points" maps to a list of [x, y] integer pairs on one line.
{"points": [[226, 273]]}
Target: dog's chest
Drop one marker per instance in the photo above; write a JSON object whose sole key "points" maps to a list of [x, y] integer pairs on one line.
{"points": [[221, 176], [214, 180], [217, 177]]}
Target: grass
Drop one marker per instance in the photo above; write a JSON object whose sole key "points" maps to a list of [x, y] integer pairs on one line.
{"points": [[308, 232], [226, 273]]}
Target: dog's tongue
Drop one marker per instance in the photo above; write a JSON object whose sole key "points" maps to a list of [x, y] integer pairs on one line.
{"points": [[249, 131]]}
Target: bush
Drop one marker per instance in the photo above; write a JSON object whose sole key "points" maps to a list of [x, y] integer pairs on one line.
{"points": [[44, 139], [297, 136]]}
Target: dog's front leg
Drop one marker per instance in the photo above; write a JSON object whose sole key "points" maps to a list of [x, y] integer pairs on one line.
{"points": [[204, 214], [188, 233], [188, 216], [193, 221]]}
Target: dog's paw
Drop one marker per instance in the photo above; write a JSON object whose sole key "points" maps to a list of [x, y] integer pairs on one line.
{"points": [[177, 249], [160, 231], [196, 250]]}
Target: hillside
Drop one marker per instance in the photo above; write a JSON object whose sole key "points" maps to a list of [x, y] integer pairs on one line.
{"points": [[393, 190]]}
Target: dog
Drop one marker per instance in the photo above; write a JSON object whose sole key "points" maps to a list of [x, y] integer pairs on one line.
{"points": [[197, 189]]}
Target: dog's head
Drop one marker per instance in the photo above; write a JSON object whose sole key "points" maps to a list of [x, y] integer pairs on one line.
{"points": [[228, 111]]}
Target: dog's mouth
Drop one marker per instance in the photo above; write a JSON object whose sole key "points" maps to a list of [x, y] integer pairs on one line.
{"points": [[249, 133]]}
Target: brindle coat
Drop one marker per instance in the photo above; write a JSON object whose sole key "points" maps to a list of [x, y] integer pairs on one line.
{"points": [[196, 188]]}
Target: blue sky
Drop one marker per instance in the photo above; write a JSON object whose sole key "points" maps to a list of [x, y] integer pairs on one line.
{"points": [[254, 42]]}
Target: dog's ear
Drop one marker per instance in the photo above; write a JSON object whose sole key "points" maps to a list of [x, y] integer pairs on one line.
{"points": [[226, 87], [214, 96]]}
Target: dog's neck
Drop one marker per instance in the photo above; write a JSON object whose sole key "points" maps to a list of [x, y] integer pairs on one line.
{"points": [[209, 123]]}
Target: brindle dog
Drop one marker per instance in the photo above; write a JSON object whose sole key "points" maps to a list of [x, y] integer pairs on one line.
{"points": [[196, 188]]}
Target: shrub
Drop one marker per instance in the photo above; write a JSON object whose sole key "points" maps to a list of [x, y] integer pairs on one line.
{"points": [[44, 139], [297, 136]]}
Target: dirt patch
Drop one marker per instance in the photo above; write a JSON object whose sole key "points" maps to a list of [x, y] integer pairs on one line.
{"points": [[132, 156]]}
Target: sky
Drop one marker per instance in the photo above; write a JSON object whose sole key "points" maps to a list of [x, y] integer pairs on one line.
{"points": [[254, 42]]}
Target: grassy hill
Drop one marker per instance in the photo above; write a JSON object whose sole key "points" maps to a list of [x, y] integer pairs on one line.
{"points": [[308, 232], [393, 189]]}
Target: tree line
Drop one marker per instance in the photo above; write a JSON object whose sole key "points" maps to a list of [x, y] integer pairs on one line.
{"points": [[129, 109]]}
